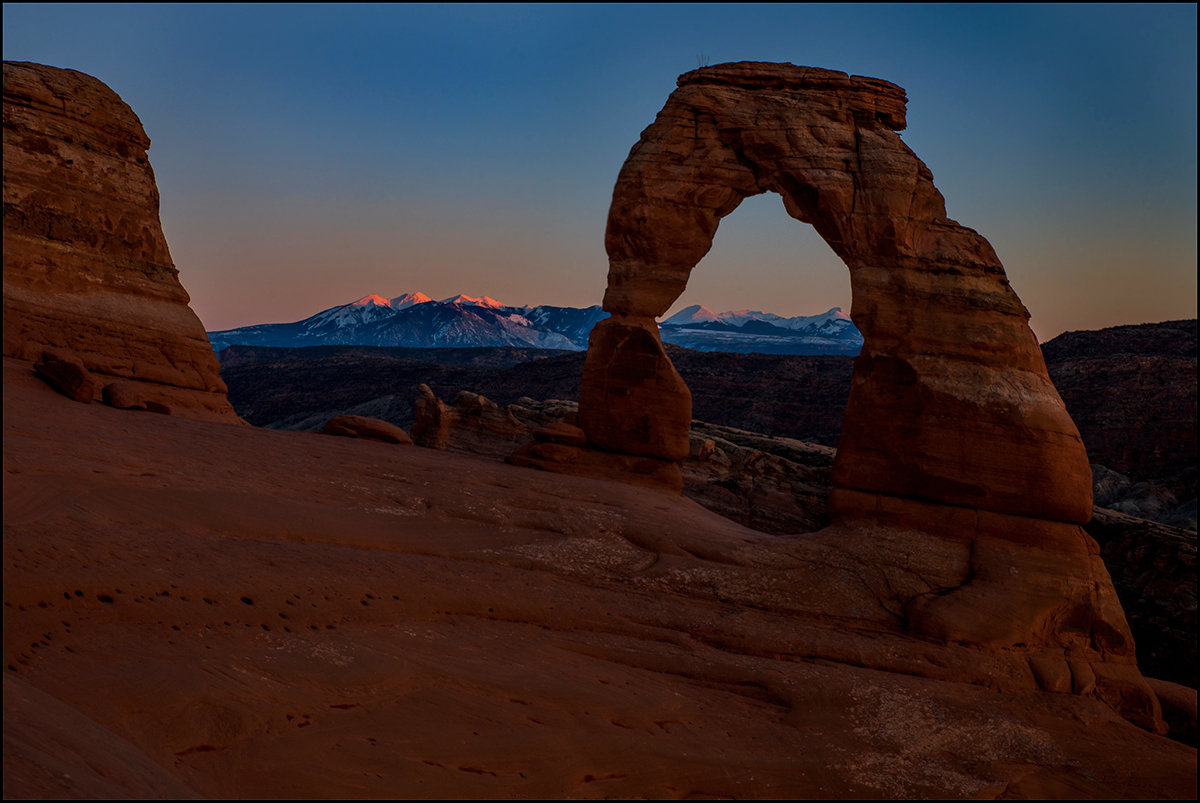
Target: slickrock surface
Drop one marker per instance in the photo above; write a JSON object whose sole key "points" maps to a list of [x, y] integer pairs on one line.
{"points": [[86, 265], [781, 486], [236, 612]]}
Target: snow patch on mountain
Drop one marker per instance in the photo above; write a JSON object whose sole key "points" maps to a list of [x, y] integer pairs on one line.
{"points": [[409, 299], [482, 301], [415, 320], [370, 300], [693, 314]]}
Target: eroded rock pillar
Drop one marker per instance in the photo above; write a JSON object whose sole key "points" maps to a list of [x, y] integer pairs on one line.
{"points": [[632, 400]]}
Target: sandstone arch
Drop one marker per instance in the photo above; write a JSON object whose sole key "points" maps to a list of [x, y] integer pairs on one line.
{"points": [[954, 441], [951, 403]]}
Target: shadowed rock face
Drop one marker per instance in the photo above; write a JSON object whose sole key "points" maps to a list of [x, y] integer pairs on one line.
{"points": [[958, 460], [86, 265]]}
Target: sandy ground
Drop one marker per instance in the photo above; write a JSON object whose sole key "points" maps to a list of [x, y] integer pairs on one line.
{"points": [[201, 609]]}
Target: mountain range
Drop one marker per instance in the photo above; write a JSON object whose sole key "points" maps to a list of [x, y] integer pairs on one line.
{"points": [[414, 320], [746, 331]]}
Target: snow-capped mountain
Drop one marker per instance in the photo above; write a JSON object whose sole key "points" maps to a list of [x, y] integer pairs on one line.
{"points": [[366, 309], [834, 320], [746, 331], [450, 324], [414, 320]]}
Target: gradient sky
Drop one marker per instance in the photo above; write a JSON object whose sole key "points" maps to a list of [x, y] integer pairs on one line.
{"points": [[311, 155]]}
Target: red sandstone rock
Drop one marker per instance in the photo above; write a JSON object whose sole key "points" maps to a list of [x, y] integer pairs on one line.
{"points": [[1179, 708], [431, 420], [61, 355], [86, 265], [582, 462], [951, 402], [159, 407], [567, 434], [68, 378], [473, 424], [631, 399], [757, 481], [123, 396], [362, 427]]}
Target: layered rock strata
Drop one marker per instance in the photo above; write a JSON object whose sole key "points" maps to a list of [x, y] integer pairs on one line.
{"points": [[86, 265], [955, 443]]}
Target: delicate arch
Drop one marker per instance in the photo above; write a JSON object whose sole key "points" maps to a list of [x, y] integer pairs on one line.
{"points": [[950, 402]]}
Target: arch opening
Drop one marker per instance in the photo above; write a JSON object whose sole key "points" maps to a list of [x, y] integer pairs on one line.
{"points": [[762, 259]]}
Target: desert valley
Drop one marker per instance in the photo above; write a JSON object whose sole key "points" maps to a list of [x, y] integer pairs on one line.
{"points": [[958, 565]]}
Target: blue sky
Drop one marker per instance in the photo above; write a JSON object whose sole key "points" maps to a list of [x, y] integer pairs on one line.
{"points": [[310, 155]]}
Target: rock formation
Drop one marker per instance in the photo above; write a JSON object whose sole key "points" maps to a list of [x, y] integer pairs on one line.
{"points": [[123, 395], [949, 361], [357, 426], [473, 424], [955, 443], [86, 265], [772, 485], [68, 377]]}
